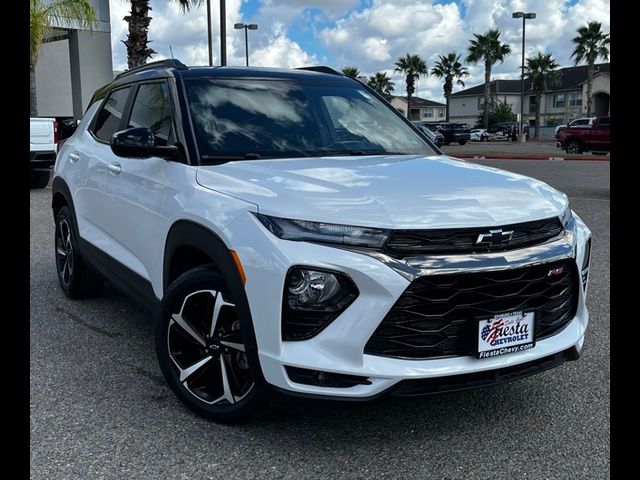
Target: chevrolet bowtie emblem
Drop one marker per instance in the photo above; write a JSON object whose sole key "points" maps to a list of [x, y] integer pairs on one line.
{"points": [[494, 237]]}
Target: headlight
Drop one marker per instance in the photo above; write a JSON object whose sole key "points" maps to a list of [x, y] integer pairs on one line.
{"points": [[302, 230], [566, 217]]}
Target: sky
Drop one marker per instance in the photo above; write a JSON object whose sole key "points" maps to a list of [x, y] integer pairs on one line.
{"points": [[368, 34]]}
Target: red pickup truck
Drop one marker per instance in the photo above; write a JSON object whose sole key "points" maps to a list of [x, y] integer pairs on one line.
{"points": [[580, 139]]}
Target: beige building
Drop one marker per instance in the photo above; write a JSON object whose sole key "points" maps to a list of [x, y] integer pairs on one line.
{"points": [[421, 109], [559, 103], [72, 64]]}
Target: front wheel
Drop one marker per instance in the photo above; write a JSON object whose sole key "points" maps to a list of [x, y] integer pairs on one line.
{"points": [[201, 352], [574, 146], [462, 142]]}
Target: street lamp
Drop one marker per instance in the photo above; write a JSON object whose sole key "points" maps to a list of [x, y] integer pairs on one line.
{"points": [[524, 17], [246, 26]]}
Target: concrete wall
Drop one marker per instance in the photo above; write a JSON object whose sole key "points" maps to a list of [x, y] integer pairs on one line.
{"points": [[94, 66], [53, 80]]}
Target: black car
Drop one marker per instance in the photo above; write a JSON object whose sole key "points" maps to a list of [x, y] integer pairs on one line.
{"points": [[452, 132]]}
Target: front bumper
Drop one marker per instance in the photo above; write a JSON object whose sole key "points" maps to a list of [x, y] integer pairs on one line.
{"points": [[381, 281]]}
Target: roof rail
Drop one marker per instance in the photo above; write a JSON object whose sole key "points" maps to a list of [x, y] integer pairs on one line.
{"points": [[322, 69], [167, 63]]}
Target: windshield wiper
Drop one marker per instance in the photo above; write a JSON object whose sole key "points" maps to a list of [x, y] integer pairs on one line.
{"points": [[354, 153]]}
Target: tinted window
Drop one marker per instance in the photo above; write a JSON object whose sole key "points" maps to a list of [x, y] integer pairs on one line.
{"points": [[109, 117], [152, 109], [279, 118]]}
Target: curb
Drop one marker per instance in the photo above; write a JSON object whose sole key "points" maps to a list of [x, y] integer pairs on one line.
{"points": [[583, 158]]}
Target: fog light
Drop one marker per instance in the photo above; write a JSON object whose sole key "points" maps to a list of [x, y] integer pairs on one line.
{"points": [[310, 287], [313, 298]]}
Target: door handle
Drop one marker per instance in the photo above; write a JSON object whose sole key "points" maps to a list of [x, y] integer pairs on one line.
{"points": [[74, 157], [114, 168]]}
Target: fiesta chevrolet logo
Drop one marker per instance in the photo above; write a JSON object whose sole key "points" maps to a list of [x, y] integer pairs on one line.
{"points": [[494, 237]]}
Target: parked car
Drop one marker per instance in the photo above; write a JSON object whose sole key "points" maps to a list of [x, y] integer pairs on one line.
{"points": [[436, 137], [43, 136], [453, 132], [478, 135], [294, 236], [578, 122], [594, 138]]}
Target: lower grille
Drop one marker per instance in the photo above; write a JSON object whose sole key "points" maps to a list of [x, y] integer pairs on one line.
{"points": [[437, 315]]}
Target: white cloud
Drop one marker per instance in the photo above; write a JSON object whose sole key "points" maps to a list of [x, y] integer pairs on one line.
{"points": [[368, 34]]}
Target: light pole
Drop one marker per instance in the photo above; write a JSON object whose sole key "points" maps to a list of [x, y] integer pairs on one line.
{"points": [[209, 33], [246, 26], [524, 17]]}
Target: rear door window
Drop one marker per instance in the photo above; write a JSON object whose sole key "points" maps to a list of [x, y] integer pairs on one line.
{"points": [[108, 120]]}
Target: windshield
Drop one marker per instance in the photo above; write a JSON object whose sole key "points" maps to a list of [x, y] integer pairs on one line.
{"points": [[238, 119]]}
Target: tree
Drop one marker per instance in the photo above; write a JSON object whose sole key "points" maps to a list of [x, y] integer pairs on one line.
{"points": [[541, 69], [138, 51], [412, 66], [590, 44], [487, 48], [449, 68], [352, 72], [42, 18], [500, 112], [381, 84]]}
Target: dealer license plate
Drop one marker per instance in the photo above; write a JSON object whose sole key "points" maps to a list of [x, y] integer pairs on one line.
{"points": [[506, 333]]}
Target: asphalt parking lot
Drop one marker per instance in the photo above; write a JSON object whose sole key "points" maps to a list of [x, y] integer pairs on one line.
{"points": [[100, 407]]}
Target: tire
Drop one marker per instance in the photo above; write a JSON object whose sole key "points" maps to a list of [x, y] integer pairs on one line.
{"points": [[483, 138], [76, 279], [221, 388], [462, 142], [39, 179], [574, 146], [446, 144]]}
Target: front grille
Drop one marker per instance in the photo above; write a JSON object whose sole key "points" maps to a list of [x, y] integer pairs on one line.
{"points": [[437, 315], [404, 243]]}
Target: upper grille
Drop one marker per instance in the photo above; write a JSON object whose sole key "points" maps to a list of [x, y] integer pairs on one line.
{"points": [[437, 315], [404, 243]]}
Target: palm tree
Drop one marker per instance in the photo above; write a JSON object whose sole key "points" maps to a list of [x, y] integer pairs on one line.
{"points": [[449, 68], [352, 72], [42, 18], [541, 69], [381, 84], [590, 44], [412, 66], [138, 51], [487, 48]]}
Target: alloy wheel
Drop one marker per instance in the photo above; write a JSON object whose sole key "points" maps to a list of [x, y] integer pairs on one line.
{"points": [[205, 345], [64, 252]]}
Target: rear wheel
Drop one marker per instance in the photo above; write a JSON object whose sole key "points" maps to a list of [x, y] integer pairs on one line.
{"points": [[39, 179], [201, 352], [76, 279], [574, 146], [462, 142]]}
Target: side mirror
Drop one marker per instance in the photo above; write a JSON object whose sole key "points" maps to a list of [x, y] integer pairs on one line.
{"points": [[139, 143]]}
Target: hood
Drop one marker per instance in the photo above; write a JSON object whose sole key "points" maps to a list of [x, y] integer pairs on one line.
{"points": [[387, 191]]}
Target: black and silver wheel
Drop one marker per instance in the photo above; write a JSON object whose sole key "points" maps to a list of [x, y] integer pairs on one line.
{"points": [[76, 279], [574, 146], [201, 350]]}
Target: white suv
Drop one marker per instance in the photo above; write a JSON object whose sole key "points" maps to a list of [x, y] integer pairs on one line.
{"points": [[296, 236]]}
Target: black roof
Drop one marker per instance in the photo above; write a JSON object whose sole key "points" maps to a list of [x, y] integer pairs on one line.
{"points": [[169, 68], [418, 102], [571, 79]]}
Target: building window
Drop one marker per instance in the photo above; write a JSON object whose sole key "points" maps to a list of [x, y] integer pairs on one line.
{"points": [[575, 99], [440, 112], [532, 103], [558, 100], [481, 103], [427, 112], [415, 114]]}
